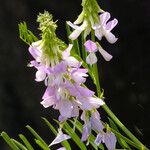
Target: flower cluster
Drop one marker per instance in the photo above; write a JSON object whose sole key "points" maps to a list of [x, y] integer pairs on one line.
{"points": [[101, 26], [64, 78]]}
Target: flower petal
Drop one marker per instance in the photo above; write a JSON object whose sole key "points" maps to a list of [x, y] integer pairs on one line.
{"points": [[86, 131], [98, 139], [90, 46], [60, 137], [91, 58], [74, 35], [40, 76], [98, 33], [34, 52], [106, 55], [104, 17], [48, 102], [90, 103], [78, 75], [66, 52], [111, 24], [60, 68], [72, 25], [110, 140], [72, 62], [65, 108], [110, 37]]}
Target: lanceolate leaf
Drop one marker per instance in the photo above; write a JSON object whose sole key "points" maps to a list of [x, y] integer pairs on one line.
{"points": [[26, 35], [26, 142], [41, 145], [9, 141], [74, 136], [20, 145], [36, 135]]}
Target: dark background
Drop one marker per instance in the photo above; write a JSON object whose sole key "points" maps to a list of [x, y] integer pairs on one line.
{"points": [[126, 79]]}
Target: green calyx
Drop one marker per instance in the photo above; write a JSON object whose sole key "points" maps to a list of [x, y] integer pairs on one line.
{"points": [[91, 11], [52, 46]]}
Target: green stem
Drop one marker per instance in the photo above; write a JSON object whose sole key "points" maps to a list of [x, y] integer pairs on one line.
{"points": [[118, 122], [95, 69], [115, 119], [84, 53], [107, 109]]}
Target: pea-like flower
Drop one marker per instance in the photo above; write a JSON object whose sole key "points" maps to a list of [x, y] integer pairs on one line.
{"points": [[105, 27], [102, 28], [92, 48]]}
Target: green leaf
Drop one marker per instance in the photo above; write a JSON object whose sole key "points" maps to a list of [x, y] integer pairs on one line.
{"points": [[26, 35], [64, 143], [36, 135], [9, 141], [26, 142], [20, 145], [120, 140], [74, 136], [41, 145]]}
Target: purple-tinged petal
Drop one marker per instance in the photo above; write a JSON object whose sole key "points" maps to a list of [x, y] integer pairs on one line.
{"points": [[48, 102], [98, 33], [104, 17], [34, 63], [91, 58], [111, 24], [72, 25], [110, 140], [90, 103], [62, 118], [98, 139], [60, 68], [110, 37], [78, 91], [78, 75], [72, 62], [83, 91], [60, 137], [66, 53], [74, 35], [40, 75], [71, 88], [75, 110], [105, 55], [83, 117], [90, 46], [50, 91], [65, 108], [86, 131], [96, 122], [34, 52]]}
